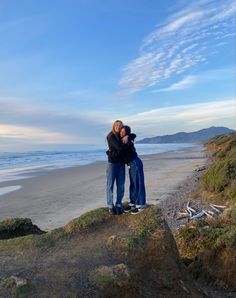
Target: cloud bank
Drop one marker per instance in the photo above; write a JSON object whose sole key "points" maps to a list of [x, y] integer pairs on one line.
{"points": [[24, 123], [186, 118], [33, 123]]}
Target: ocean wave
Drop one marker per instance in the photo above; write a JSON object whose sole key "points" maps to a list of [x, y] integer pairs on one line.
{"points": [[18, 165]]}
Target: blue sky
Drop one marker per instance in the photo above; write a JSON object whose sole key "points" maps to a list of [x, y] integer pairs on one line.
{"points": [[68, 69]]}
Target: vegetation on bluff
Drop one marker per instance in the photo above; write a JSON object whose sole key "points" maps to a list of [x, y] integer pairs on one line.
{"points": [[16, 227], [221, 175], [211, 243]]}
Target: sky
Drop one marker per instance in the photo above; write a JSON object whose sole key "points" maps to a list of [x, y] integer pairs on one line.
{"points": [[69, 68]]}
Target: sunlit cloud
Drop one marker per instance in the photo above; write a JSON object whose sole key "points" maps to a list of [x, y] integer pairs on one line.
{"points": [[30, 124], [184, 118], [33, 122], [31, 134]]}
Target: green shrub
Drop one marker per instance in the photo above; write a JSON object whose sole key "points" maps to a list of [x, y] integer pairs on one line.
{"points": [[221, 174], [90, 218], [215, 179], [147, 222], [16, 227], [11, 224]]}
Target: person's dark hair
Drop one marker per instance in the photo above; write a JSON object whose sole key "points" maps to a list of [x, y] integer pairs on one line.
{"points": [[127, 129]]}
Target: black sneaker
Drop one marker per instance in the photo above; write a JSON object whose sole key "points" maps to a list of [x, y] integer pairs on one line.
{"points": [[112, 211], [128, 209], [119, 210], [137, 210]]}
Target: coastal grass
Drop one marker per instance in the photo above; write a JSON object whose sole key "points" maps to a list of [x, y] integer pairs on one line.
{"points": [[15, 227], [49, 239], [89, 219], [8, 282], [143, 225], [221, 139], [220, 178], [211, 246], [215, 233], [11, 289], [211, 243]]}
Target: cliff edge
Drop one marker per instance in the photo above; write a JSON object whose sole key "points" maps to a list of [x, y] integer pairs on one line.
{"points": [[97, 255]]}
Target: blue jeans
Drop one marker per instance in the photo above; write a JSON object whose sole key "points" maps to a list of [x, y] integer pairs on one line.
{"points": [[137, 190], [115, 172]]}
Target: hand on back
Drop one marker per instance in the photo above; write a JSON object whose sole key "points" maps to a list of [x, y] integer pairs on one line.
{"points": [[125, 139]]}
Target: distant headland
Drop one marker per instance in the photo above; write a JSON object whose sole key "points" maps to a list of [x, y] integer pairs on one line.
{"points": [[185, 137]]}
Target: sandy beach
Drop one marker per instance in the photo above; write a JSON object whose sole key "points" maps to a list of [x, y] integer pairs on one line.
{"points": [[53, 198]]}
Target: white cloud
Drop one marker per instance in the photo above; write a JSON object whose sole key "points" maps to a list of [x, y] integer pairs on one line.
{"points": [[23, 123], [179, 44], [183, 84], [32, 134], [174, 25], [189, 81], [184, 118], [35, 123]]}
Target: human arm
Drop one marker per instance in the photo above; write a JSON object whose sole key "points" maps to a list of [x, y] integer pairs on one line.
{"points": [[115, 143]]}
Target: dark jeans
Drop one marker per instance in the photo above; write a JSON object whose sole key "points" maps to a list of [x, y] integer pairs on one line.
{"points": [[137, 190], [115, 172]]}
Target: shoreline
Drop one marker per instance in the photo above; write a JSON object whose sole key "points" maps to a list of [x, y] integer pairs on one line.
{"points": [[51, 199], [40, 162]]}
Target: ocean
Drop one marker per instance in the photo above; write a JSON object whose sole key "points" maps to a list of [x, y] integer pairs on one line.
{"points": [[20, 165]]}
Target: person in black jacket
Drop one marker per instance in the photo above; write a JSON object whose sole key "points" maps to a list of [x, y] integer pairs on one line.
{"points": [[137, 190], [115, 168]]}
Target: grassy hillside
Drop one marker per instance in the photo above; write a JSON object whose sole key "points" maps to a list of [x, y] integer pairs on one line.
{"points": [[210, 244], [220, 178]]}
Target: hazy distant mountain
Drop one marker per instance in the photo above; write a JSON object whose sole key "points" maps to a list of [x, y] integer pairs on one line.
{"points": [[185, 137]]}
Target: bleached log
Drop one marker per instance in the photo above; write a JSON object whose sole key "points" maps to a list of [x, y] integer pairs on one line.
{"points": [[211, 212], [214, 208], [182, 217], [190, 208], [219, 206], [198, 215], [207, 213], [189, 212]]}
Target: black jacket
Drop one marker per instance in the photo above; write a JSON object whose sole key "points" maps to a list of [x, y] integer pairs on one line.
{"points": [[115, 148], [129, 153], [119, 152]]}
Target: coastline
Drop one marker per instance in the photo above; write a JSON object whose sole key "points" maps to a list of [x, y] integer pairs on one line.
{"points": [[53, 198]]}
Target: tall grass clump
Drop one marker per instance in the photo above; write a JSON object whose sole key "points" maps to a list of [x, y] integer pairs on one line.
{"points": [[221, 174]]}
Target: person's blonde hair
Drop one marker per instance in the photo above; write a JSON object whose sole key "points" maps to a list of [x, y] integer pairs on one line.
{"points": [[113, 125]]}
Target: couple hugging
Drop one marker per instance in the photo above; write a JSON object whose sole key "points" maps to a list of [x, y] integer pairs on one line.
{"points": [[122, 151]]}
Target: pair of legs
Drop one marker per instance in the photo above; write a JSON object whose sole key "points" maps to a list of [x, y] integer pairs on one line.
{"points": [[137, 190], [115, 173]]}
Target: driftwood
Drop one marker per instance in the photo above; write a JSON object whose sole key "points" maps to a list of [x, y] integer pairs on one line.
{"points": [[192, 213]]}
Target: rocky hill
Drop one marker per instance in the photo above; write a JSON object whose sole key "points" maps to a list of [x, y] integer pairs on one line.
{"points": [[184, 137]]}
